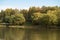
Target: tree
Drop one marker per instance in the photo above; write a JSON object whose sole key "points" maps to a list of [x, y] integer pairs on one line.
{"points": [[16, 11], [36, 15], [34, 9], [25, 14], [35, 18], [31, 11], [58, 16], [44, 20], [52, 18], [2, 15], [8, 12], [19, 19], [43, 9]]}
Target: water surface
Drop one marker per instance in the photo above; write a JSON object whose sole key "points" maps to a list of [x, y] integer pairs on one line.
{"points": [[29, 34]]}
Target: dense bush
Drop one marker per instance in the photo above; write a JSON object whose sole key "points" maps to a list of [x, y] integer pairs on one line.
{"points": [[19, 19], [35, 15], [44, 20], [53, 19]]}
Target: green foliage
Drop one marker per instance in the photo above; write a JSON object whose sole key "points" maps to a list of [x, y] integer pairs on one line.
{"points": [[44, 20], [25, 13], [19, 19], [35, 15], [58, 16], [52, 18]]}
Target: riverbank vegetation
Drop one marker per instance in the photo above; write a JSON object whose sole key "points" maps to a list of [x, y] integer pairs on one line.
{"points": [[33, 16]]}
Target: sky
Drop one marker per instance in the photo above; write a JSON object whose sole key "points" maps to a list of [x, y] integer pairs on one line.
{"points": [[25, 4]]}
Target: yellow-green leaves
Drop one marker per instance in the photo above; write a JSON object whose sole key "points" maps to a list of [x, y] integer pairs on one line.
{"points": [[19, 19]]}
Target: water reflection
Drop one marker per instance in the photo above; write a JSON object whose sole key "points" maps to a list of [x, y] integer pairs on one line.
{"points": [[29, 34]]}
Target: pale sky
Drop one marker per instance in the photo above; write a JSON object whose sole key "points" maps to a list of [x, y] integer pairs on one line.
{"points": [[24, 4]]}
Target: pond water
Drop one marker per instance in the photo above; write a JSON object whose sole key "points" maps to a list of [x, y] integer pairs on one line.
{"points": [[29, 34]]}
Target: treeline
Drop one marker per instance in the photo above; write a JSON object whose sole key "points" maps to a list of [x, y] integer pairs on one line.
{"points": [[34, 15]]}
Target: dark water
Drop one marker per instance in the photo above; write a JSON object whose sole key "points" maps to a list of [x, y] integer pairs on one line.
{"points": [[29, 34]]}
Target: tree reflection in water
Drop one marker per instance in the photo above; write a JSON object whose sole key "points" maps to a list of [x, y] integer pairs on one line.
{"points": [[29, 34]]}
